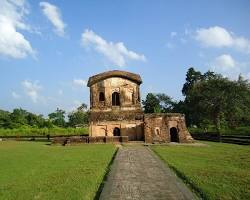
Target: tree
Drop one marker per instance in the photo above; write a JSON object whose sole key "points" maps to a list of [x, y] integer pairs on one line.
{"points": [[83, 107], [192, 77], [58, 117], [238, 110], [166, 102], [18, 118], [218, 98], [79, 117], [151, 104], [48, 123], [209, 99], [35, 120], [5, 120], [158, 103]]}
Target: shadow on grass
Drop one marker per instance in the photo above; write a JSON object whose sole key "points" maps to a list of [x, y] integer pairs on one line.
{"points": [[99, 191]]}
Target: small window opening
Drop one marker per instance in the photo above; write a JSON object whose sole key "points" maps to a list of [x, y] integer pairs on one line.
{"points": [[101, 96], [115, 99]]}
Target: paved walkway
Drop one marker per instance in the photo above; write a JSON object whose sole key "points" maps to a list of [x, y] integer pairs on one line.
{"points": [[137, 173]]}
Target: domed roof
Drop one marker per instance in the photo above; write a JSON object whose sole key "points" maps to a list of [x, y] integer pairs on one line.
{"points": [[115, 73]]}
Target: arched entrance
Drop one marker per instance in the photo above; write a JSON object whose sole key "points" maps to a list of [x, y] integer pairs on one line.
{"points": [[174, 137], [116, 132], [115, 99]]}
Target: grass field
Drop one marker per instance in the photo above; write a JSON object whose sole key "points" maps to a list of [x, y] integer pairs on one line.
{"points": [[34, 170], [218, 171]]}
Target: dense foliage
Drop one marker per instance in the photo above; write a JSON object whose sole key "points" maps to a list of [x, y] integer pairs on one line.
{"points": [[211, 100], [20, 122], [158, 103], [79, 117]]}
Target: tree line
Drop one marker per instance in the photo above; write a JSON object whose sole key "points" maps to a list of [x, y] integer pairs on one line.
{"points": [[19, 118], [209, 100]]}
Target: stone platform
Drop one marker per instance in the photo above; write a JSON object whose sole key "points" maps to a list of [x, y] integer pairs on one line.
{"points": [[89, 139]]}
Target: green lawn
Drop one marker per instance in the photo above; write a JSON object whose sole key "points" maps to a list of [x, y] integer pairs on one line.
{"points": [[34, 170], [218, 171]]}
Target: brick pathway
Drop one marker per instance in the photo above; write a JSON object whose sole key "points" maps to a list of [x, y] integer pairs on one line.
{"points": [[137, 173]]}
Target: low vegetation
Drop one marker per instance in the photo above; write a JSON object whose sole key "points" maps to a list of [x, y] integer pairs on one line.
{"points": [[238, 131], [20, 122], [216, 171], [29, 131], [34, 170], [20, 118]]}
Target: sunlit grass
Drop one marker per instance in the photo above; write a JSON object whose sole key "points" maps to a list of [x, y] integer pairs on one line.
{"points": [[34, 170], [218, 171]]}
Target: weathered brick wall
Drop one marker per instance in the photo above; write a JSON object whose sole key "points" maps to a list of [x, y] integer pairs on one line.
{"points": [[157, 127], [127, 89], [105, 117], [132, 129], [155, 130]]}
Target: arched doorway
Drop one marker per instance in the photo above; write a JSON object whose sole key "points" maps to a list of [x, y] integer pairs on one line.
{"points": [[174, 137], [116, 132], [115, 99]]}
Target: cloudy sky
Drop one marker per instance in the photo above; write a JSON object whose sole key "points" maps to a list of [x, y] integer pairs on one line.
{"points": [[48, 49]]}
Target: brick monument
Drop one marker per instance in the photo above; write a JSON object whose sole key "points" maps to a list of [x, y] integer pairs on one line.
{"points": [[115, 110]]}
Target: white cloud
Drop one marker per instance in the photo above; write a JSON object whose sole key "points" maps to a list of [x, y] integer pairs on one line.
{"points": [[214, 37], [219, 37], [12, 42], [60, 92], [32, 89], [15, 95], [79, 82], [117, 53], [173, 34], [227, 66], [170, 45], [225, 61], [53, 13]]}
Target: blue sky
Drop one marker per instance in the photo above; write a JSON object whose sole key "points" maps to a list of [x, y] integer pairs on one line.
{"points": [[49, 49]]}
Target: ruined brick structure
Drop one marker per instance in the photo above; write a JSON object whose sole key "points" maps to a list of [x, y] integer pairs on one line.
{"points": [[115, 110], [167, 127]]}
